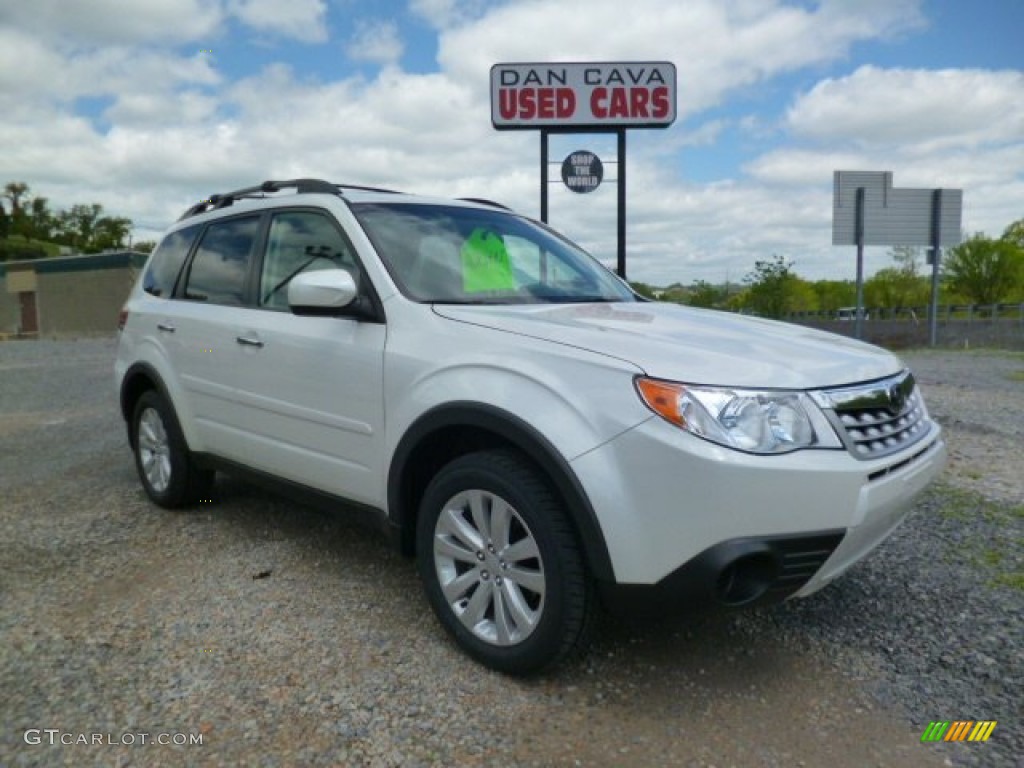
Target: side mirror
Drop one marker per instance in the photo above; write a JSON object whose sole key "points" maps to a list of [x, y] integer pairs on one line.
{"points": [[323, 292]]}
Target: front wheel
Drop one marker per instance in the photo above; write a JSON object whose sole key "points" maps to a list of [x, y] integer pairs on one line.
{"points": [[501, 565]]}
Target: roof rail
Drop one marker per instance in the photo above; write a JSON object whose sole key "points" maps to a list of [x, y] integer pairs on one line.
{"points": [[302, 186], [484, 201], [366, 189]]}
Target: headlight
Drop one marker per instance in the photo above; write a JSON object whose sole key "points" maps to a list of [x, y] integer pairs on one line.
{"points": [[756, 421]]}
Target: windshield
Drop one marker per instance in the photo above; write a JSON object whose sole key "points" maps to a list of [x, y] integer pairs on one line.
{"points": [[456, 255]]}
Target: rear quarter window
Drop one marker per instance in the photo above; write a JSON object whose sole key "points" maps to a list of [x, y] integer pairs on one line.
{"points": [[168, 258]]}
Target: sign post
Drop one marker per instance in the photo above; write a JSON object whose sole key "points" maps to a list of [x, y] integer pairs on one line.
{"points": [[867, 210], [584, 97]]}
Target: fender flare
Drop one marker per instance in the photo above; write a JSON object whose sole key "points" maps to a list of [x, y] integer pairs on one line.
{"points": [[530, 442], [134, 372]]}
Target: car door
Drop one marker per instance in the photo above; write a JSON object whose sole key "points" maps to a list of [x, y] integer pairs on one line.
{"points": [[310, 389], [211, 306]]}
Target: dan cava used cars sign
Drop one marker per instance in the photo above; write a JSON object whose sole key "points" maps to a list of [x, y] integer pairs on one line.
{"points": [[607, 94]]}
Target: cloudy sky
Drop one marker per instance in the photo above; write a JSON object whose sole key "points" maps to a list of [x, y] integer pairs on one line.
{"points": [[147, 107]]}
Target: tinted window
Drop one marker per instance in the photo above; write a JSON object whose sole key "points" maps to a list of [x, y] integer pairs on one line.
{"points": [[301, 241], [218, 270], [166, 263], [468, 255]]}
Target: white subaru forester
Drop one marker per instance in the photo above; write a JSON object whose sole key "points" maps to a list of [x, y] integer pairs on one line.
{"points": [[540, 438]]}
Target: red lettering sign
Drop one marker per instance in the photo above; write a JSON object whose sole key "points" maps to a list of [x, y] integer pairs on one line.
{"points": [[603, 95]]}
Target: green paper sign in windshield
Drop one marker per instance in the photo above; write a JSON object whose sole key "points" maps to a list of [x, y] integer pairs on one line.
{"points": [[485, 263]]}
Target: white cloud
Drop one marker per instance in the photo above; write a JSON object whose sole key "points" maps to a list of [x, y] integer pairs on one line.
{"points": [[717, 47], [959, 129], [176, 129], [116, 21], [445, 13], [929, 109], [375, 41], [302, 20]]}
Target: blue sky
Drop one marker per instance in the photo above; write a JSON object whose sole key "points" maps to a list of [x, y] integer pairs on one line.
{"points": [[146, 107]]}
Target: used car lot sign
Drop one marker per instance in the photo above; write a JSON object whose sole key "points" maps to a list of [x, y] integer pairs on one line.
{"points": [[583, 95]]}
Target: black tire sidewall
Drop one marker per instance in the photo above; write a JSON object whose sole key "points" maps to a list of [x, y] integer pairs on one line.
{"points": [[510, 478]]}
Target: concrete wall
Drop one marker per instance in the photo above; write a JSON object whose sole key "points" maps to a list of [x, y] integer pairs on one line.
{"points": [[10, 309], [74, 294], [82, 302]]}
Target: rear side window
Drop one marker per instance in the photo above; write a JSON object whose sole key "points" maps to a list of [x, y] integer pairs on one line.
{"points": [[218, 271], [165, 265]]}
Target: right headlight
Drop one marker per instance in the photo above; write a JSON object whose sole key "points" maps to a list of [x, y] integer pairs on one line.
{"points": [[755, 421]]}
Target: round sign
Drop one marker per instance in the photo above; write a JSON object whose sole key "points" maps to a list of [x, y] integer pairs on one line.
{"points": [[582, 171]]}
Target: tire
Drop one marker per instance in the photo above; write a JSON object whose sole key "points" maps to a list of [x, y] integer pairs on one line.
{"points": [[167, 470], [501, 565]]}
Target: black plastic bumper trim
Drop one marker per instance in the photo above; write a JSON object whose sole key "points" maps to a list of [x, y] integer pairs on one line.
{"points": [[784, 564]]}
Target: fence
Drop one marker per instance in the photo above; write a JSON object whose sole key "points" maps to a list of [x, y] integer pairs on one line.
{"points": [[959, 325]]}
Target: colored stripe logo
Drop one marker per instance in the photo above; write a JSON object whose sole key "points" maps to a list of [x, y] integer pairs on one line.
{"points": [[958, 730]]}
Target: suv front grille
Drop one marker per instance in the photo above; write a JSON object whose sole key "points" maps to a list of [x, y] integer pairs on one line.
{"points": [[879, 418]]}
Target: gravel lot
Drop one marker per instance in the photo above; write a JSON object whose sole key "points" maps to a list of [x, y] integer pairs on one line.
{"points": [[285, 637]]}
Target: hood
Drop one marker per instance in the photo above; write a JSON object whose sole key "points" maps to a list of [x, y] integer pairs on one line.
{"points": [[695, 346]]}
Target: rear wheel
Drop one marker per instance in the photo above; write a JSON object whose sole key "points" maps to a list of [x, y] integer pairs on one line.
{"points": [[501, 565], [167, 470]]}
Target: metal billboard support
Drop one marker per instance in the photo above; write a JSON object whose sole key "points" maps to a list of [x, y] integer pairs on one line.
{"points": [[620, 261], [858, 326], [933, 309], [621, 204], [544, 175]]}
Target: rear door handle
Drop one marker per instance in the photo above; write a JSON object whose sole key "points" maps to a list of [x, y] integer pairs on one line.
{"points": [[249, 342], [165, 327]]}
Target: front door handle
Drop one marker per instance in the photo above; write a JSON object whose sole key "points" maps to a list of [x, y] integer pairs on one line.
{"points": [[249, 342], [165, 327]]}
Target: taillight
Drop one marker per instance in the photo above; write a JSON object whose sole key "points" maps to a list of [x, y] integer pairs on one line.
{"points": [[122, 318]]}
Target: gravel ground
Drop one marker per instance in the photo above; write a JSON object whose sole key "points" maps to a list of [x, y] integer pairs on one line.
{"points": [[285, 637]]}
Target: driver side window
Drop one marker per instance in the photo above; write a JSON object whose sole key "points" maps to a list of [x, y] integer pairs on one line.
{"points": [[301, 241]]}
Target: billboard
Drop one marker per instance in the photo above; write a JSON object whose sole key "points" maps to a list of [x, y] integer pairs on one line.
{"points": [[892, 216], [595, 95]]}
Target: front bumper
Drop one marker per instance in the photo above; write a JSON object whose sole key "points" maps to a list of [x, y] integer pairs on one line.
{"points": [[677, 511]]}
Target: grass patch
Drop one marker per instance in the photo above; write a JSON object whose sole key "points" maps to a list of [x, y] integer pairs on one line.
{"points": [[1015, 375], [958, 503], [999, 557], [1013, 580]]}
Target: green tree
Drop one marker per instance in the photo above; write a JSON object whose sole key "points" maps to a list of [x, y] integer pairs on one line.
{"points": [[771, 287], [675, 293], [835, 294], [642, 288], [703, 294], [1015, 233], [78, 225], [982, 270], [900, 286], [41, 222], [147, 246], [15, 191], [5, 223], [801, 296], [109, 232]]}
